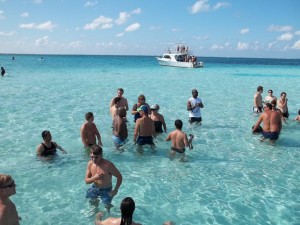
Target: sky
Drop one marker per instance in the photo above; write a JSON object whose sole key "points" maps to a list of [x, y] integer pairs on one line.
{"points": [[210, 28]]}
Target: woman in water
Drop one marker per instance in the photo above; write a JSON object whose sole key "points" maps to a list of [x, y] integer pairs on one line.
{"points": [[158, 119]]}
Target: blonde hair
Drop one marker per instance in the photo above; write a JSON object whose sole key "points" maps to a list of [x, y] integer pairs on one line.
{"points": [[4, 179]]}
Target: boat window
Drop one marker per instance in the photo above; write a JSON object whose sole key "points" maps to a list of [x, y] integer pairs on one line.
{"points": [[167, 57]]}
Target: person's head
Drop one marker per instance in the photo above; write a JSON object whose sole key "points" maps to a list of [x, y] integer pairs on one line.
{"points": [[273, 103], [270, 92], [283, 95], [89, 116], [260, 89], [96, 152], [178, 124], [127, 208], [120, 92], [143, 110], [268, 106], [154, 107], [116, 100], [7, 185], [299, 112], [121, 112], [195, 93], [46, 135], [142, 99]]}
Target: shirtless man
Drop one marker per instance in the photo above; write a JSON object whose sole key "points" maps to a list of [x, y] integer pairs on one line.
{"points": [[282, 105], [89, 132], [144, 129], [179, 140], [120, 132], [8, 212], [99, 173], [258, 103], [122, 102], [271, 124], [48, 147]]}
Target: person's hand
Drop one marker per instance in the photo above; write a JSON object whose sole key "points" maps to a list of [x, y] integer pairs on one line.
{"points": [[113, 193], [98, 176], [64, 151]]}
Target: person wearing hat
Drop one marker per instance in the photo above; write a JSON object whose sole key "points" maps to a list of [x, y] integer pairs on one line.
{"points": [[270, 97], [158, 119], [193, 106], [144, 130], [48, 147]]}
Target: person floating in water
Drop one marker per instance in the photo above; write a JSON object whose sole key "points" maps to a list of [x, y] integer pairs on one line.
{"points": [[48, 147], [2, 71]]}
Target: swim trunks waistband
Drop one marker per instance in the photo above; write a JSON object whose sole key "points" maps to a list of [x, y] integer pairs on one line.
{"points": [[178, 150], [271, 135]]}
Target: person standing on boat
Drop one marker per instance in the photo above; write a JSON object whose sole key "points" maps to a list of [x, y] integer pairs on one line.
{"points": [[193, 106]]}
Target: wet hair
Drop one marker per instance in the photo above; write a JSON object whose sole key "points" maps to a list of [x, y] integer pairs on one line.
{"points": [[121, 111], [117, 99], [283, 93], [260, 88], [194, 91], [269, 105], [142, 97], [96, 150], [89, 115], [121, 89], [127, 208], [270, 91], [178, 124], [273, 103], [45, 133], [4, 179]]}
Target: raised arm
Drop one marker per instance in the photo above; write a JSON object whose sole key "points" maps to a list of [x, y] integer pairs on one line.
{"points": [[116, 173]]}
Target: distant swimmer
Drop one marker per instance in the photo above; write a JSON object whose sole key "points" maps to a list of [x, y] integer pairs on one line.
{"points": [[258, 103], [127, 208], [48, 147], [193, 106], [13, 58], [271, 124], [2, 71], [179, 140]]}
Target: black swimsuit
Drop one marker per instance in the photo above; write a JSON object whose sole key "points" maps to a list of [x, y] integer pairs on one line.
{"points": [[49, 151], [158, 126]]}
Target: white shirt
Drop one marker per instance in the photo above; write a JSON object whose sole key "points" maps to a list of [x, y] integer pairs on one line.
{"points": [[196, 111]]}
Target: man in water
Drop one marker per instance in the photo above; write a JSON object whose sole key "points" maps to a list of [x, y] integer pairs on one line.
{"points": [[99, 173], [144, 129], [2, 71], [271, 124], [258, 103], [120, 132], [193, 106], [179, 140], [48, 147], [282, 105], [122, 101], [89, 132], [8, 211]]}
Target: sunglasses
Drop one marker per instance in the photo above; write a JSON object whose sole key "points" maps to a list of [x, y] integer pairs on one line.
{"points": [[10, 185]]}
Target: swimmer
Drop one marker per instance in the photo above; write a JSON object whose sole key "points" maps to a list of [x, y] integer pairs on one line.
{"points": [[2, 71], [48, 147], [158, 119], [282, 105], [179, 141], [297, 118], [120, 132], [258, 103], [127, 208], [89, 132], [136, 106], [122, 101]]}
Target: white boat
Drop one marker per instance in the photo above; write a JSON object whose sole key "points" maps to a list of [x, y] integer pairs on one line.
{"points": [[179, 58]]}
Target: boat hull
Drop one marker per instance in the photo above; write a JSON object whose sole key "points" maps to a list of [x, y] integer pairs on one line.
{"points": [[163, 62]]}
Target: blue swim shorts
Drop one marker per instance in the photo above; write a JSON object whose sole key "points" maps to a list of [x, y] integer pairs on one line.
{"points": [[95, 192], [145, 140], [271, 135], [118, 141]]}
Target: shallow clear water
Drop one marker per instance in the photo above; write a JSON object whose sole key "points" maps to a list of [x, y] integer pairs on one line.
{"points": [[230, 177]]}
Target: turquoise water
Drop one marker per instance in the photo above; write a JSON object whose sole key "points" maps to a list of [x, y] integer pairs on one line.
{"points": [[230, 177]]}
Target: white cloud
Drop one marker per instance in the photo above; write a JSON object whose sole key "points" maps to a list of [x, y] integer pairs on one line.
{"points": [[200, 6], [154, 28], [42, 26], [296, 45], [88, 3], [120, 34], [24, 14], [227, 44], [123, 16], [285, 37], [244, 31], [7, 33], [75, 44], [1, 15], [297, 32], [280, 28], [221, 5], [42, 41], [242, 46], [216, 47], [136, 11], [205, 37], [175, 30], [101, 22], [133, 27], [37, 1]]}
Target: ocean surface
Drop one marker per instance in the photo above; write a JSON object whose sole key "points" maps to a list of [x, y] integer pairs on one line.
{"points": [[229, 177]]}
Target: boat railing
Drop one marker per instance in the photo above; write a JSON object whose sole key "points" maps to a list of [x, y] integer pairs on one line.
{"points": [[170, 51]]}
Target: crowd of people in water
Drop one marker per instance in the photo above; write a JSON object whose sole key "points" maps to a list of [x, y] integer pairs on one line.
{"points": [[272, 112], [148, 123]]}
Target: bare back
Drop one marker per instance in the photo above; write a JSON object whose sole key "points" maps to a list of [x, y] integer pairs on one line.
{"points": [[8, 213], [178, 138], [88, 133], [114, 221], [145, 127], [275, 121]]}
